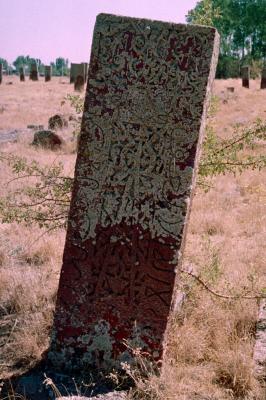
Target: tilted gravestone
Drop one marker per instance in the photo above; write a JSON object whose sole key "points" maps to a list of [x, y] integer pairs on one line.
{"points": [[73, 71], [47, 73], [22, 74], [34, 76], [147, 94], [80, 78], [1, 73], [245, 74], [263, 78]]}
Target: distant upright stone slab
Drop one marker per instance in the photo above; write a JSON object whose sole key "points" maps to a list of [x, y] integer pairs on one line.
{"points": [[73, 71], [1, 73], [79, 83], [142, 128], [263, 78], [80, 77], [47, 73], [34, 76], [22, 74], [245, 74], [86, 65]]}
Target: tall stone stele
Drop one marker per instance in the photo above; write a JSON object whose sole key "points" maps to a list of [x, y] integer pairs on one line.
{"points": [[148, 88], [80, 77], [263, 77], [1, 73], [34, 76], [47, 73], [22, 74], [245, 74]]}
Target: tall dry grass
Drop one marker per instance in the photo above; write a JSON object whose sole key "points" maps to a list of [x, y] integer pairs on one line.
{"points": [[210, 343], [25, 103]]}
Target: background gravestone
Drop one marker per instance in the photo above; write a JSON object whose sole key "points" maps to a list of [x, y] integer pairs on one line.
{"points": [[245, 74], [22, 74], [73, 72], [47, 73], [34, 76], [86, 65], [143, 121], [79, 77], [1, 73], [263, 78]]}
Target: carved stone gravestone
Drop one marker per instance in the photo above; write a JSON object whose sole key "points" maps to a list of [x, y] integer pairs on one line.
{"points": [[79, 77], [22, 74], [34, 76], [263, 78], [142, 128], [245, 73], [73, 72], [1, 73], [47, 73]]}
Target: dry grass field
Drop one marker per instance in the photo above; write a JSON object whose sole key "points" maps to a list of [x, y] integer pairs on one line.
{"points": [[210, 345]]}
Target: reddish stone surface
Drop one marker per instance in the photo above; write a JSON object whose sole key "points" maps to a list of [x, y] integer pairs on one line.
{"points": [[126, 281], [148, 85]]}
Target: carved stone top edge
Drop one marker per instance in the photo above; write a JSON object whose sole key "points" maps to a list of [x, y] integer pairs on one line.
{"points": [[106, 16]]}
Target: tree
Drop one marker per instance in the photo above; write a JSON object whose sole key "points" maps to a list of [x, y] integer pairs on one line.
{"points": [[21, 61], [205, 13], [61, 66], [26, 61], [241, 24], [4, 62]]}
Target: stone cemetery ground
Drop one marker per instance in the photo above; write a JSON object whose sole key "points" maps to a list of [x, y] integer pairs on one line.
{"points": [[210, 351]]}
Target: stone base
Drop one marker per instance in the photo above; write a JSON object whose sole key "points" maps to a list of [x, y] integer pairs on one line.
{"points": [[42, 383], [107, 396]]}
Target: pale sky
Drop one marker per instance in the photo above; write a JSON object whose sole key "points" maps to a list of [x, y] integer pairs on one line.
{"points": [[47, 29]]}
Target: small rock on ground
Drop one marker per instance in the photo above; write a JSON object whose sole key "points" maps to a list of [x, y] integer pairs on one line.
{"points": [[57, 121], [47, 139]]}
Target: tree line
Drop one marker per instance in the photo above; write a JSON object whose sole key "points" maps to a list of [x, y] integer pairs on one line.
{"points": [[242, 26], [60, 66]]}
